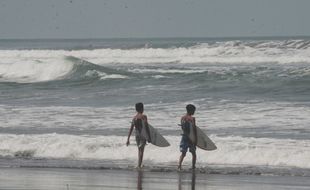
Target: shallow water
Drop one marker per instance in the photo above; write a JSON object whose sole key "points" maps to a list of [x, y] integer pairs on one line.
{"points": [[74, 99], [46, 179]]}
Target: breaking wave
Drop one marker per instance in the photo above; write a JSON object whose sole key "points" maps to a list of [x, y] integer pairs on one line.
{"points": [[232, 151], [27, 66], [59, 68]]}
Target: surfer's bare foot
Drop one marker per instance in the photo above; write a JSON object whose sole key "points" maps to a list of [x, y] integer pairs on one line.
{"points": [[179, 168], [139, 167]]}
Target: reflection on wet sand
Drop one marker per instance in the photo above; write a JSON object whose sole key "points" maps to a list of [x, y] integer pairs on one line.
{"points": [[182, 177], [185, 180], [139, 180], [193, 180]]}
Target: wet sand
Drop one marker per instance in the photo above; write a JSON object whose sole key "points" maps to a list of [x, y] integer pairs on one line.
{"points": [[58, 178]]}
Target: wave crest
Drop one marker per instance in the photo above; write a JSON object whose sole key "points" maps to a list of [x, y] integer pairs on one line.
{"points": [[59, 68], [27, 66], [29, 71], [232, 151]]}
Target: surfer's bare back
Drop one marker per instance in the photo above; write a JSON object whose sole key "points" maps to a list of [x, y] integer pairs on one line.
{"points": [[139, 122]]}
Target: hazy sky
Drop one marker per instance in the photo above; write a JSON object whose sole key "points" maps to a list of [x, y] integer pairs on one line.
{"points": [[153, 18]]}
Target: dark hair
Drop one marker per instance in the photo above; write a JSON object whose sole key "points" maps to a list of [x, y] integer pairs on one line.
{"points": [[139, 107], [190, 108]]}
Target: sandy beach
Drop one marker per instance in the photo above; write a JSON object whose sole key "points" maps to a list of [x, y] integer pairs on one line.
{"points": [[58, 178]]}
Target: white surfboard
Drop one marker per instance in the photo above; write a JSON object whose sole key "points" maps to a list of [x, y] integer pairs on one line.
{"points": [[156, 138], [203, 141]]}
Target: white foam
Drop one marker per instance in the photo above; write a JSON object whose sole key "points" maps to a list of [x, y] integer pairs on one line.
{"points": [[65, 117], [231, 150], [44, 65], [168, 70], [224, 116], [104, 76], [221, 52], [159, 76], [27, 71]]}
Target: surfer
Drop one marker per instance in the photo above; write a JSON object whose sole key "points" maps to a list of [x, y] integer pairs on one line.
{"points": [[138, 122], [188, 121]]}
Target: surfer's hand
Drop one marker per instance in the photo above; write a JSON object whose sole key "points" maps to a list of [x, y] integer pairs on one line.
{"points": [[127, 143]]}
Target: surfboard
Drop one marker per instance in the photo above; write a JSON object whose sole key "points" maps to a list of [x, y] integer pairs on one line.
{"points": [[203, 141], [156, 138]]}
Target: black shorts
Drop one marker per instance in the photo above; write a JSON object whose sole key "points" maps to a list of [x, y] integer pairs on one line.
{"points": [[185, 144], [141, 141]]}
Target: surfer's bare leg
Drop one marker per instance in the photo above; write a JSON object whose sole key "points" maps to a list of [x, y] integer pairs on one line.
{"points": [[194, 160], [181, 160], [141, 151]]}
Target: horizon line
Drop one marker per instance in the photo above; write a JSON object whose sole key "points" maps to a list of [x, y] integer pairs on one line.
{"points": [[145, 38]]}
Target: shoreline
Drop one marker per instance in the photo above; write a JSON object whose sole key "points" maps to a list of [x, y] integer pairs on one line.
{"points": [[66, 178], [128, 165]]}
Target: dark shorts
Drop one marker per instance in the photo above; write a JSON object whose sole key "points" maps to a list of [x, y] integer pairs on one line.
{"points": [[141, 141], [186, 144]]}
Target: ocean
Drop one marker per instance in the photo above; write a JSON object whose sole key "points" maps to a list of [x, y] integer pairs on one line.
{"points": [[69, 103]]}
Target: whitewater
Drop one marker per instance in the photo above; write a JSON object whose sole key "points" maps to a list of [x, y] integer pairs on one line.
{"points": [[70, 105]]}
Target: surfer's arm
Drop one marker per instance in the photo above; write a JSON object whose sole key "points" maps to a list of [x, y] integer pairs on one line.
{"points": [[195, 131], [130, 131]]}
